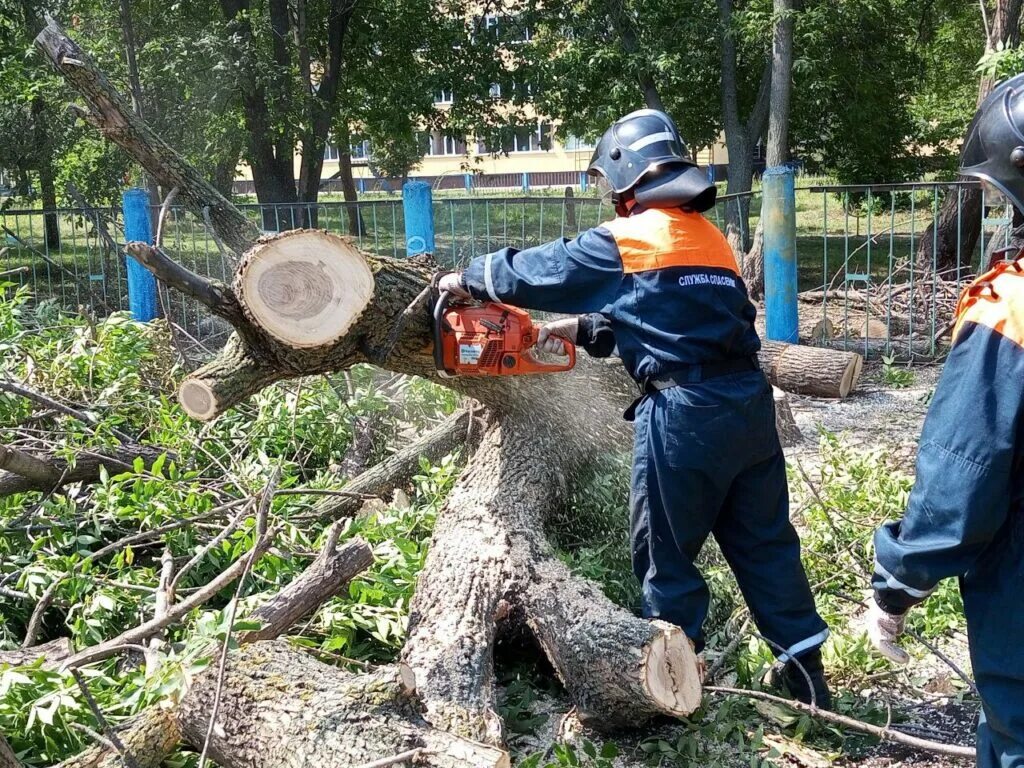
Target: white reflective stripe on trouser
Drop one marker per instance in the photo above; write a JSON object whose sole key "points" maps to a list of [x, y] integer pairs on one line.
{"points": [[804, 645], [654, 138], [893, 583], [488, 281]]}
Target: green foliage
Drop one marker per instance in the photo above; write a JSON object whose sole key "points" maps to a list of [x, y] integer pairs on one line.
{"points": [[119, 370], [896, 376], [585, 754]]}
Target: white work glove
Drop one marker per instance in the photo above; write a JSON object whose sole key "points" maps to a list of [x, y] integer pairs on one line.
{"points": [[883, 631], [551, 335], [452, 283]]}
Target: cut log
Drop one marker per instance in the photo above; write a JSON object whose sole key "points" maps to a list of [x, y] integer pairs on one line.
{"points": [[305, 288], [279, 708], [810, 370], [52, 654], [485, 556], [785, 424], [149, 737]]}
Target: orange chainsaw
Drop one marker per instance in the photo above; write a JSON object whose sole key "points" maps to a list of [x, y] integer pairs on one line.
{"points": [[488, 339]]}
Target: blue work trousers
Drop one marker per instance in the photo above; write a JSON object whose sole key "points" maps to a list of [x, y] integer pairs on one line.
{"points": [[707, 460]]}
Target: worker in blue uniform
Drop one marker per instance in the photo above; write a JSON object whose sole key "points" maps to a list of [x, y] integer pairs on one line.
{"points": [[663, 290], [965, 515]]}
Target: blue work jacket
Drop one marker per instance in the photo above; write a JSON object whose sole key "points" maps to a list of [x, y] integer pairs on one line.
{"points": [[665, 280], [968, 489]]}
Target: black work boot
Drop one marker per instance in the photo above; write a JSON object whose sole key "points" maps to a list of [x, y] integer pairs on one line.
{"points": [[795, 682]]}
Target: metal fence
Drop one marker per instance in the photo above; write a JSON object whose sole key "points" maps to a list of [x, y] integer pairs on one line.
{"points": [[866, 282], [881, 266]]}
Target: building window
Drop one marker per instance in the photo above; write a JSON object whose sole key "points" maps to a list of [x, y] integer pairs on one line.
{"points": [[576, 144], [495, 92], [444, 96], [438, 144], [360, 150], [535, 138]]}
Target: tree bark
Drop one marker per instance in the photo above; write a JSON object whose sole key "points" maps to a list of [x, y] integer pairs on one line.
{"points": [[740, 135], [777, 150], [810, 370], [52, 654], [270, 158], [279, 708], [949, 241], [623, 25], [356, 227], [21, 472]]}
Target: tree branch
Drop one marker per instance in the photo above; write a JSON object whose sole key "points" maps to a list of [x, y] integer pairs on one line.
{"points": [[883, 733], [120, 125]]}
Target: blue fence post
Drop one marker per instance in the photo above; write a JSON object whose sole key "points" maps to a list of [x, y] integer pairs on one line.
{"points": [[526, 182], [778, 212], [362, 185], [417, 205], [583, 181], [467, 179], [142, 299]]}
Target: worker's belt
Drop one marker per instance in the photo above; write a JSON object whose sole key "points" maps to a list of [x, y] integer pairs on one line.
{"points": [[695, 374], [690, 374]]}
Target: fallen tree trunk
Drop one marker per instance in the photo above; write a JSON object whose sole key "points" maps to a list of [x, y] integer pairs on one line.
{"points": [[279, 708], [22, 471], [810, 370], [52, 654]]}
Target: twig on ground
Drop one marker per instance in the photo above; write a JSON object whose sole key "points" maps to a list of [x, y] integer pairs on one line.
{"points": [[724, 655], [198, 556], [886, 734], [45, 400], [146, 630], [126, 756], [35, 622]]}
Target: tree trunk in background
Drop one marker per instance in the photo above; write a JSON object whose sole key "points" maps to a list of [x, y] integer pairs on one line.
{"points": [[348, 189], [740, 136], [952, 245], [778, 129], [271, 161], [135, 87], [47, 186]]}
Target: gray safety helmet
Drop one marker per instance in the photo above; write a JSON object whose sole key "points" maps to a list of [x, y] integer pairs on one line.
{"points": [[643, 158], [994, 148]]}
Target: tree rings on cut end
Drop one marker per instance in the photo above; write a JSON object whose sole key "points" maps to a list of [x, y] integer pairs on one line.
{"points": [[671, 671], [198, 400], [305, 288]]}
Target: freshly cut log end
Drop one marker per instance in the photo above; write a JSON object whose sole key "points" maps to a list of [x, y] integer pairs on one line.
{"points": [[305, 287], [198, 399], [810, 370], [668, 669], [225, 381]]}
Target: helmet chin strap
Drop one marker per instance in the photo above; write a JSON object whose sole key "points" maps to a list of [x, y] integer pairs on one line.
{"points": [[624, 202]]}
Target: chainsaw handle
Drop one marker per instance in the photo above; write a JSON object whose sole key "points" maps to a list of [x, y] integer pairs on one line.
{"points": [[536, 366]]}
